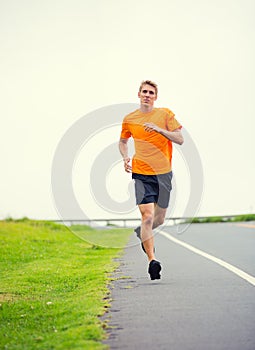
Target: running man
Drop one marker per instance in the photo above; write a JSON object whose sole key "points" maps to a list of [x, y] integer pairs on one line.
{"points": [[153, 131]]}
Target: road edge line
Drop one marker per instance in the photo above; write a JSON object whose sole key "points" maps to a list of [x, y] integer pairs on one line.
{"points": [[233, 269]]}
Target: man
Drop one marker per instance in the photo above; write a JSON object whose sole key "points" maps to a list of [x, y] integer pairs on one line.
{"points": [[153, 131]]}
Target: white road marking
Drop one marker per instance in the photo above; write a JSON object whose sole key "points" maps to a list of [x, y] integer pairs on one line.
{"points": [[218, 261]]}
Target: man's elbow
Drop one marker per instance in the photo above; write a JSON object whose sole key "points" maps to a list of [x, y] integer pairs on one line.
{"points": [[180, 139]]}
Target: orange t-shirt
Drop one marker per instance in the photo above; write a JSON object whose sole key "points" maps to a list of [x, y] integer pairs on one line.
{"points": [[153, 151]]}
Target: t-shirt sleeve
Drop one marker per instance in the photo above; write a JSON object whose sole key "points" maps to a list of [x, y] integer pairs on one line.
{"points": [[171, 123], [125, 132]]}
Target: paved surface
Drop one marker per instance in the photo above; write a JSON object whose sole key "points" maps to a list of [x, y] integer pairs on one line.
{"points": [[197, 304]]}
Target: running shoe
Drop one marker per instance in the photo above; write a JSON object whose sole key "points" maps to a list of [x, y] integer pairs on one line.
{"points": [[154, 270]]}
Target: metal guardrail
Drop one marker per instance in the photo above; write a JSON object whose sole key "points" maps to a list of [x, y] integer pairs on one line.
{"points": [[125, 221], [90, 222]]}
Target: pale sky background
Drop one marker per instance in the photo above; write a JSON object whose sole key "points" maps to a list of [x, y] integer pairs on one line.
{"points": [[63, 59]]}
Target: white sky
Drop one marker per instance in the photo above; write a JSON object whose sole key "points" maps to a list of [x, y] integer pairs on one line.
{"points": [[63, 59]]}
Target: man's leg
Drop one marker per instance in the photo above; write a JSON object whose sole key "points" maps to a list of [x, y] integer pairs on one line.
{"points": [[158, 219], [165, 187], [147, 213], [159, 216]]}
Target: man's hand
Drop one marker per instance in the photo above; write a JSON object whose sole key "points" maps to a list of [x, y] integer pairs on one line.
{"points": [[127, 166], [151, 127], [174, 136]]}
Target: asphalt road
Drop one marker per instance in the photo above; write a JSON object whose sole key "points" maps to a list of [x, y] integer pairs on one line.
{"points": [[197, 304]]}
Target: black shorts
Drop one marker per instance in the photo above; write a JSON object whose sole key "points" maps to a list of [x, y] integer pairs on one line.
{"points": [[153, 188]]}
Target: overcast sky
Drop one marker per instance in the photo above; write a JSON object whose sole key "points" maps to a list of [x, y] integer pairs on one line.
{"points": [[61, 60]]}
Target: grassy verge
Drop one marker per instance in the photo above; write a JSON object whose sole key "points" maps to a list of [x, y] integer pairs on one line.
{"points": [[53, 286], [211, 219]]}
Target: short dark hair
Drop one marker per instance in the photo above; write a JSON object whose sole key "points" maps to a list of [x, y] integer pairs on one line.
{"points": [[151, 83]]}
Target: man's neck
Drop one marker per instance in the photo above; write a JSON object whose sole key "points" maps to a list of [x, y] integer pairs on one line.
{"points": [[146, 108]]}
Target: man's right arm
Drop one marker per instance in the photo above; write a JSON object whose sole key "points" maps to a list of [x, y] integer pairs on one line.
{"points": [[123, 147]]}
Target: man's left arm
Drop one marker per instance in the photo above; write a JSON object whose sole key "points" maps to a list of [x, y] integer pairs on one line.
{"points": [[174, 136]]}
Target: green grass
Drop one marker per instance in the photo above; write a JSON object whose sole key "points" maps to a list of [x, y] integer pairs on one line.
{"points": [[54, 286], [244, 217], [212, 219]]}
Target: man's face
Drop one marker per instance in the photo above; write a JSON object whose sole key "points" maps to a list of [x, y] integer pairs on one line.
{"points": [[147, 95]]}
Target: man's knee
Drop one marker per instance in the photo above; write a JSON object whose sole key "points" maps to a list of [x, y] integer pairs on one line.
{"points": [[147, 218]]}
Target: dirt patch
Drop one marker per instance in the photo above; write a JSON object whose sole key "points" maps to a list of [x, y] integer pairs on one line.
{"points": [[7, 297]]}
